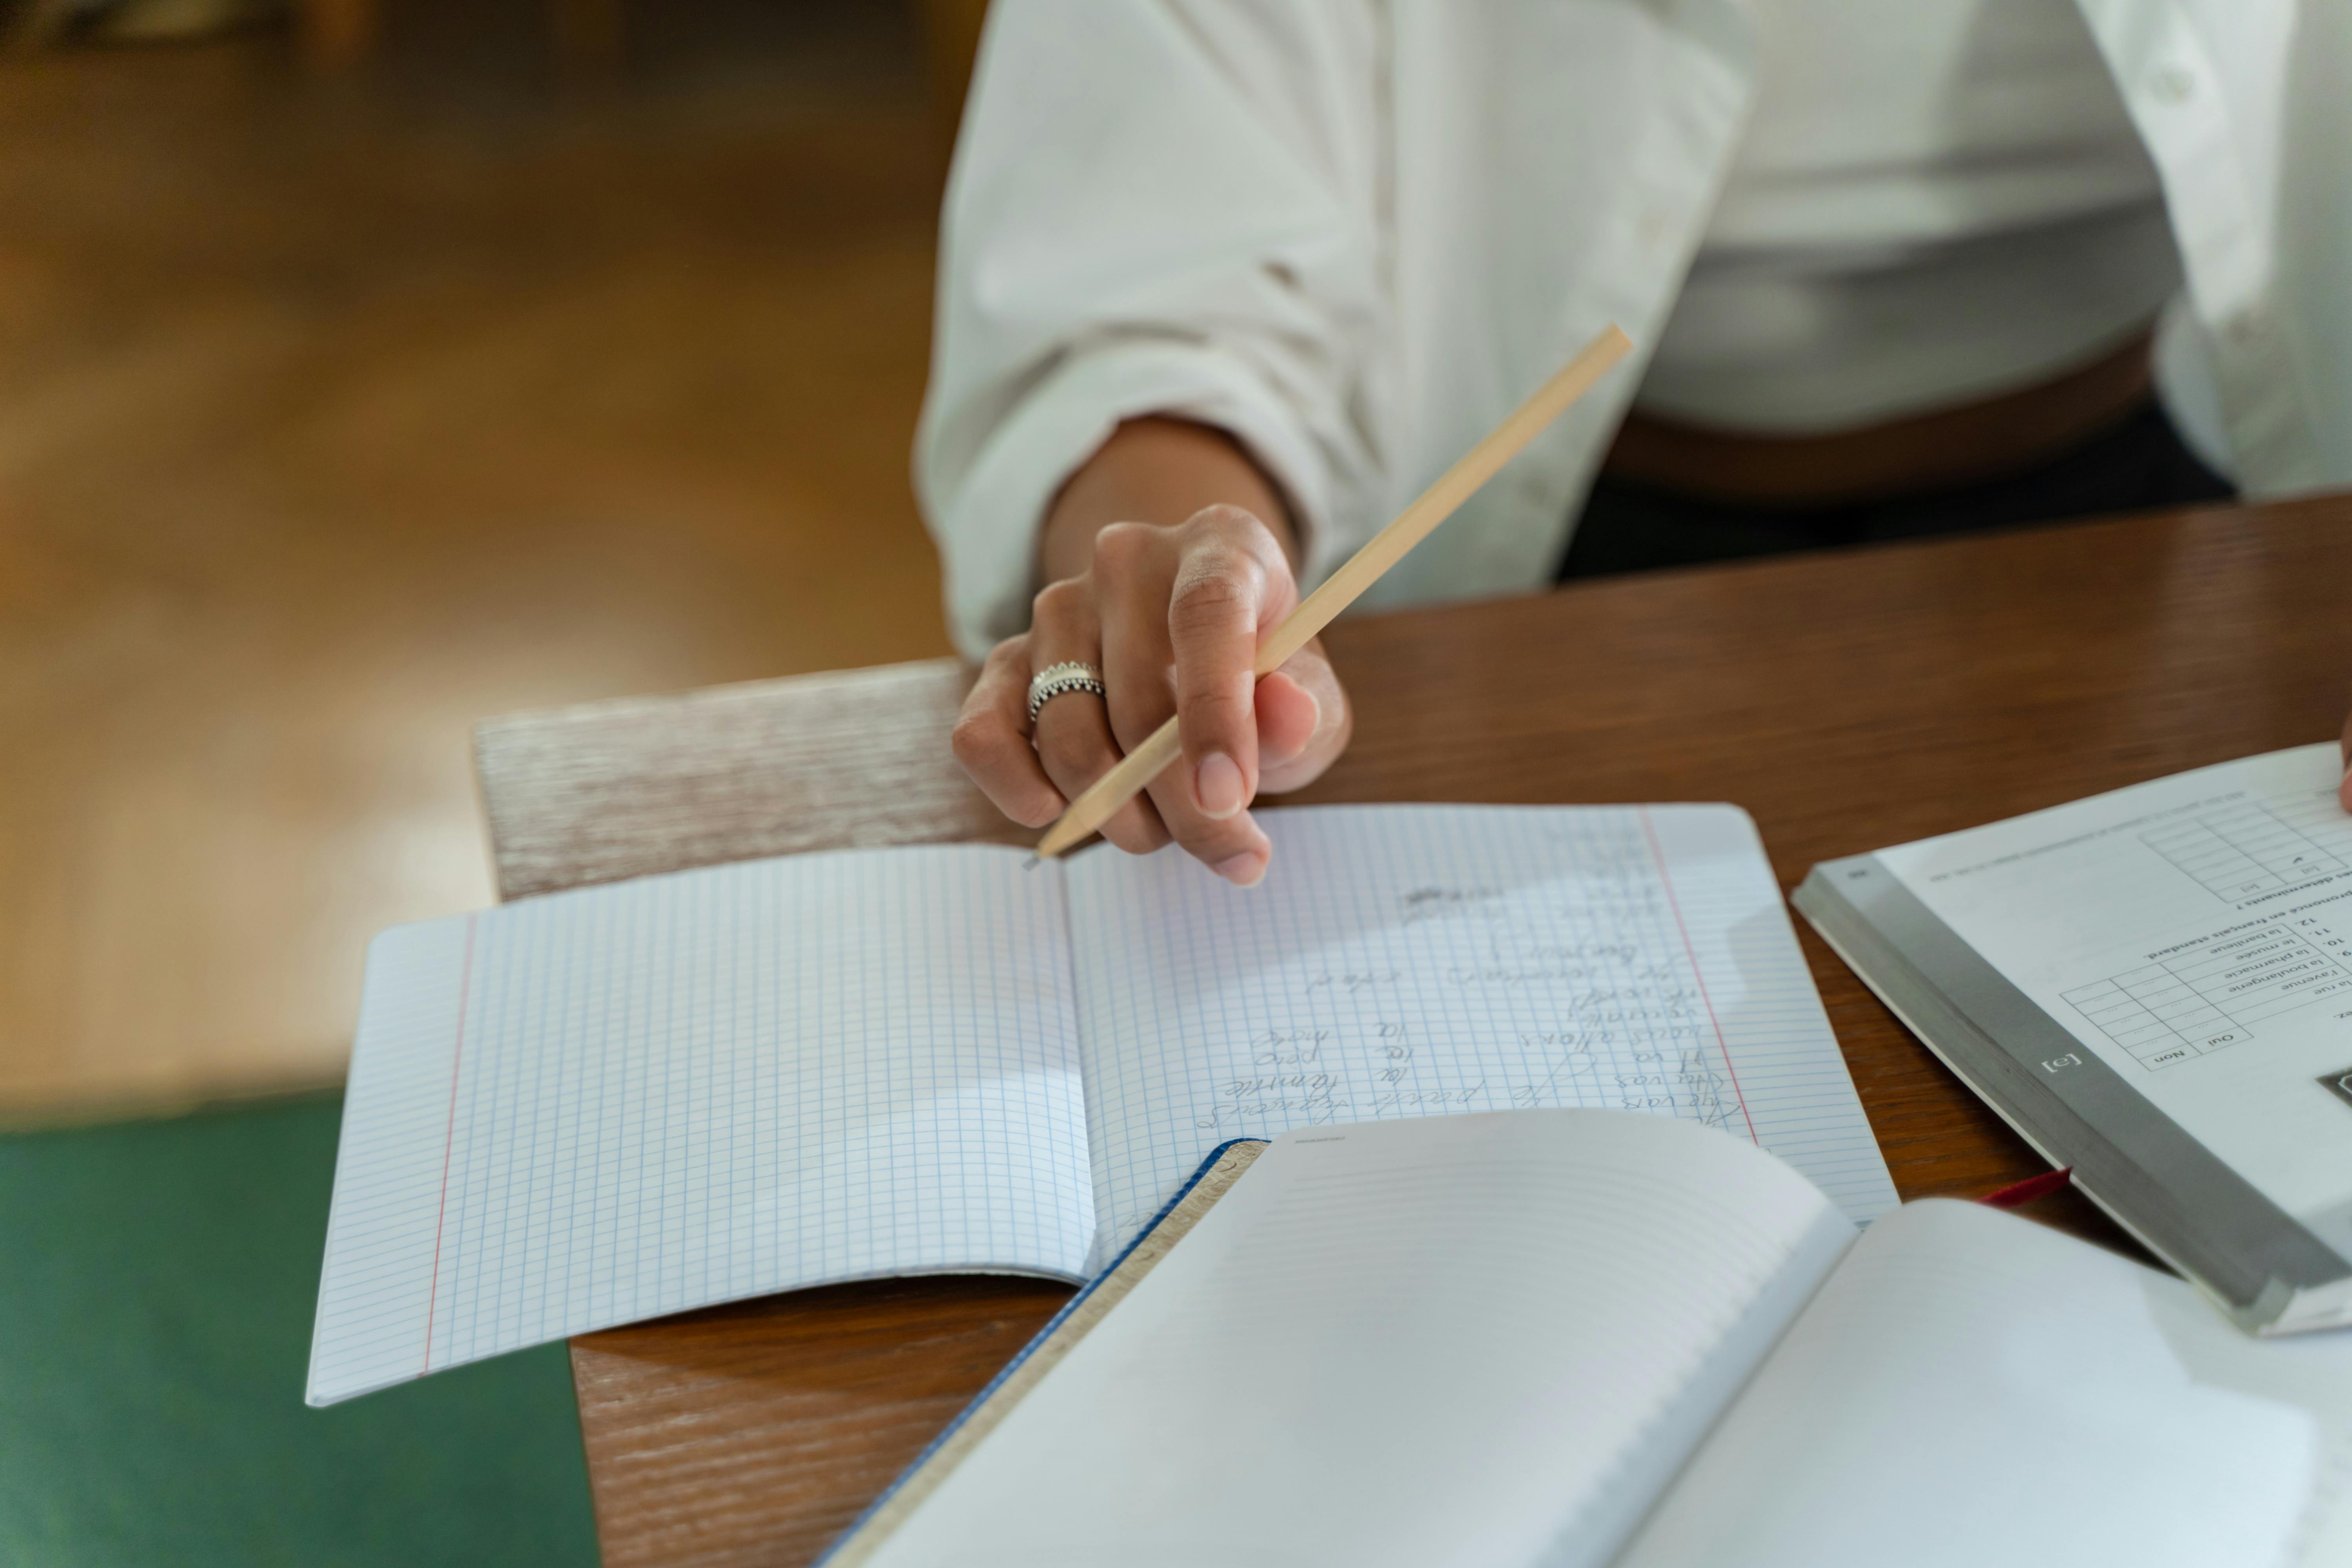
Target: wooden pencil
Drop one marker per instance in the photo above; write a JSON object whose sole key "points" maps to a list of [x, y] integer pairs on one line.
{"points": [[1382, 551]]}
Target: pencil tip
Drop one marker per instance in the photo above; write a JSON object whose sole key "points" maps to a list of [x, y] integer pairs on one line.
{"points": [[1031, 863]]}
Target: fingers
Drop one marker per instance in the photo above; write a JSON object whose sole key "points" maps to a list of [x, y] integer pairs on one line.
{"points": [[1187, 649], [1223, 594], [1073, 739], [1172, 617], [2344, 791], [1135, 669], [1304, 721], [991, 739]]}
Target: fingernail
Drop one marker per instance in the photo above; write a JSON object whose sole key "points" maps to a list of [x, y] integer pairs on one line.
{"points": [[1314, 728], [1246, 869], [1217, 785]]}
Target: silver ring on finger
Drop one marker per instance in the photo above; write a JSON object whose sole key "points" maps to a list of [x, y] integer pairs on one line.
{"points": [[1055, 679]]}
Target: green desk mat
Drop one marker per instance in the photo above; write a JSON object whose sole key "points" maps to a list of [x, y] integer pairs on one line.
{"points": [[156, 1286]]}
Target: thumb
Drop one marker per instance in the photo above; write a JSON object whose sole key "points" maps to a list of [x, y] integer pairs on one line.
{"points": [[1304, 721], [2344, 791]]}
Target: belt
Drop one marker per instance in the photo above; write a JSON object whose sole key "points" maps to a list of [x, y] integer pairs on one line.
{"points": [[1975, 441]]}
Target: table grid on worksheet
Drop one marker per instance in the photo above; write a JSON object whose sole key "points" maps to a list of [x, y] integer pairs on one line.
{"points": [[2207, 999], [2258, 846]]}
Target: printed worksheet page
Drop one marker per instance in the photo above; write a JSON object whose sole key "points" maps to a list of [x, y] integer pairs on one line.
{"points": [[1418, 960], [2195, 933]]}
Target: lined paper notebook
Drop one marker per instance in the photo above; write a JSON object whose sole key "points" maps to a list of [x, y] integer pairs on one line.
{"points": [[597, 1107], [1578, 1338]]}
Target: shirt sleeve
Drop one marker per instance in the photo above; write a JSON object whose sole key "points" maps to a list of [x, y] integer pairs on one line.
{"points": [[2240, 103], [1156, 206]]}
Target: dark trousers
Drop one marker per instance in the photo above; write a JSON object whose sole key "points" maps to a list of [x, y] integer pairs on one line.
{"points": [[2139, 465]]}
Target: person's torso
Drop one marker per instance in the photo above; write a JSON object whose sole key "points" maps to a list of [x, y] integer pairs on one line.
{"points": [[1931, 202]]}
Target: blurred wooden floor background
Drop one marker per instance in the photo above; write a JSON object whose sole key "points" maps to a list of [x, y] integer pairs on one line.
{"points": [[336, 416]]}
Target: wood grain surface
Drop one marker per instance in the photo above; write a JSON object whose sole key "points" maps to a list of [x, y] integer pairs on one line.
{"points": [[1848, 701], [336, 419]]}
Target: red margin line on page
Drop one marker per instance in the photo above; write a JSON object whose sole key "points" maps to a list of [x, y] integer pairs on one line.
{"points": [[1667, 882], [449, 1138]]}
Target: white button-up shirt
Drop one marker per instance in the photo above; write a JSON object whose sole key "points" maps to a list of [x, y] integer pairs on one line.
{"points": [[1356, 234]]}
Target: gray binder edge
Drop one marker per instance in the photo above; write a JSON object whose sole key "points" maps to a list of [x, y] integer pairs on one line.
{"points": [[2174, 1196]]}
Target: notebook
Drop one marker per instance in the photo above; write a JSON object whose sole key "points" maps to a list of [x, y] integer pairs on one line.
{"points": [[601, 1106], [1577, 1338], [2155, 987]]}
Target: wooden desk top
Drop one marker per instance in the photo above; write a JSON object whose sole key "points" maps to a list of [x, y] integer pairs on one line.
{"points": [[1849, 701]]}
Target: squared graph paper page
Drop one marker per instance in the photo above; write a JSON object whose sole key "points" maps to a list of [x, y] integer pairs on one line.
{"points": [[1417, 960], [598, 1106]]}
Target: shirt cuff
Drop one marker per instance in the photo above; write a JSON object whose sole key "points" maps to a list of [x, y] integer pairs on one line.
{"points": [[987, 529]]}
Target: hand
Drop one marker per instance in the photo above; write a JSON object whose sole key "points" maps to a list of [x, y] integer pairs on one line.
{"points": [[2344, 790], [1172, 617]]}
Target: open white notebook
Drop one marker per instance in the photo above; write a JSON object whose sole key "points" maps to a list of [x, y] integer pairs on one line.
{"points": [[1572, 1338], [602, 1106]]}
